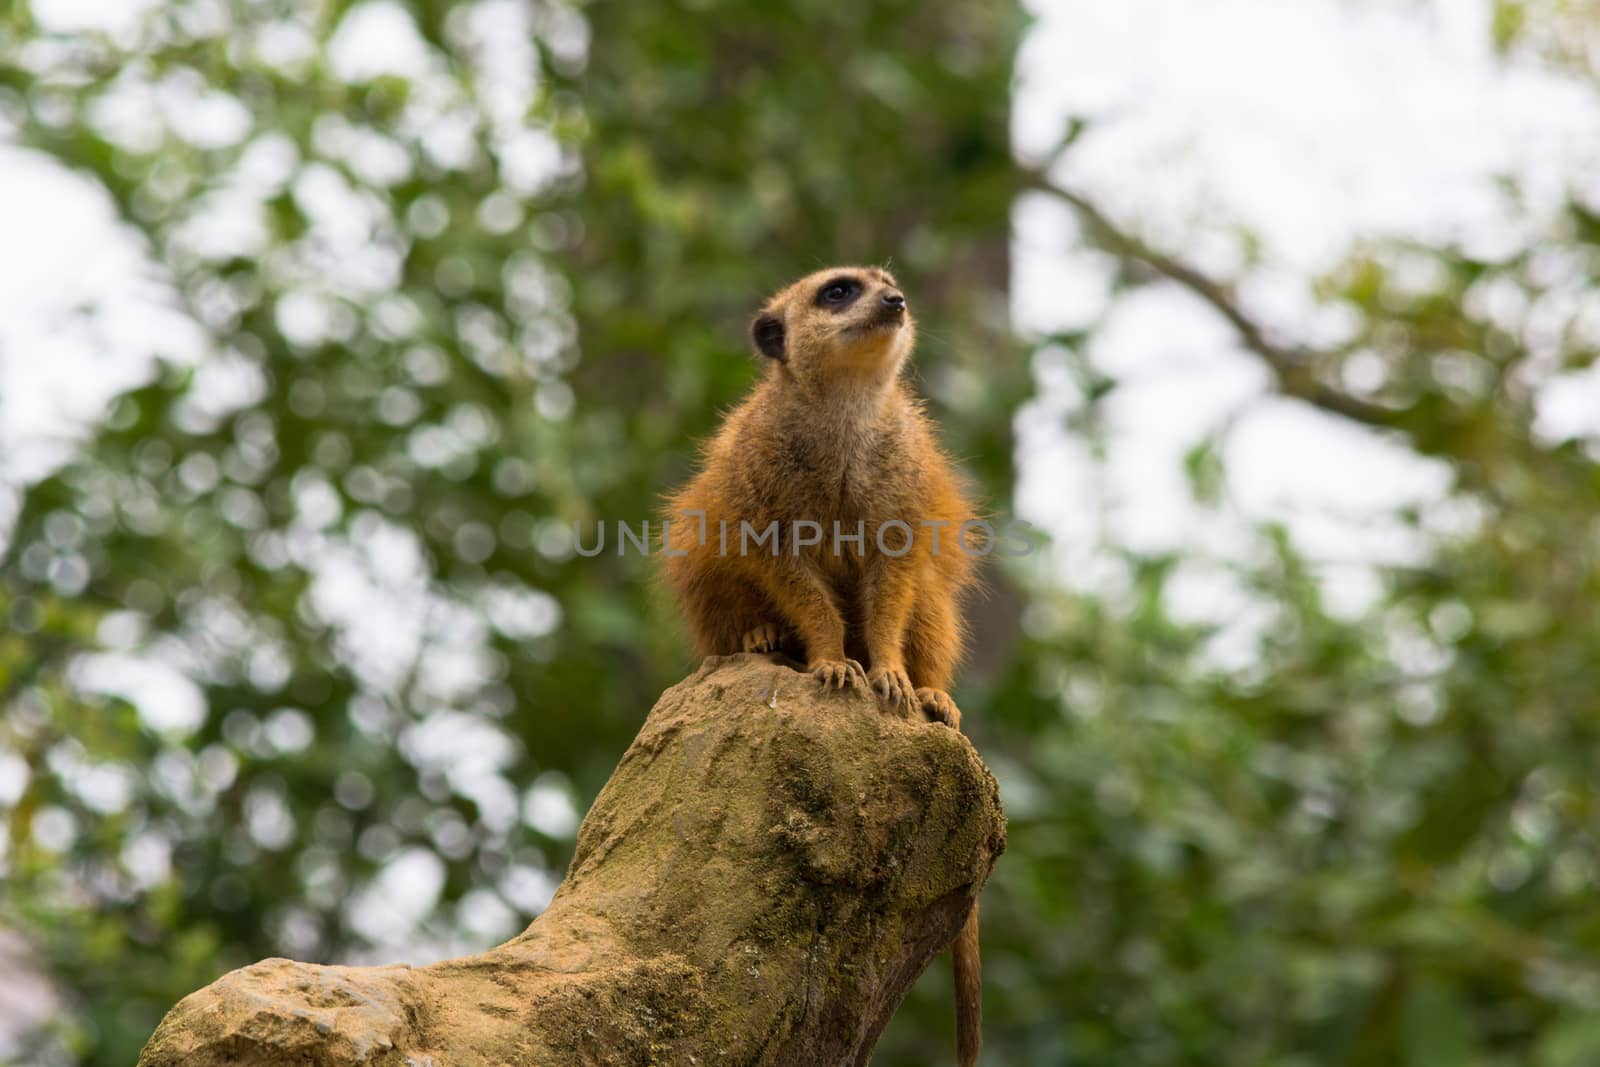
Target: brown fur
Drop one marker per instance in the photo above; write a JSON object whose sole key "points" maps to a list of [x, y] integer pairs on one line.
{"points": [[833, 434]]}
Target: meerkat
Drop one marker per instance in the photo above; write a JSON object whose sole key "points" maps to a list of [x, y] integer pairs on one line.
{"points": [[863, 576]]}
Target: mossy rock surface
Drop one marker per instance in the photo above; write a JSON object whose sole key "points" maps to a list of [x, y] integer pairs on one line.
{"points": [[765, 875]]}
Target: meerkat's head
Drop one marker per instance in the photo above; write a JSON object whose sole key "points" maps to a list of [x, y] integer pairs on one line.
{"points": [[838, 325]]}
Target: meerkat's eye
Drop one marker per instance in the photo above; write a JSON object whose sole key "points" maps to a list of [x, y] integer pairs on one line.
{"points": [[839, 291]]}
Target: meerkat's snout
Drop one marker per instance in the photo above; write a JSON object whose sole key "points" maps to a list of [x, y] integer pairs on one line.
{"points": [[891, 308], [887, 312]]}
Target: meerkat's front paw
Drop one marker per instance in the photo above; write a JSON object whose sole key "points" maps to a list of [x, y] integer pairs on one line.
{"points": [[766, 637], [893, 687], [938, 707], [839, 673]]}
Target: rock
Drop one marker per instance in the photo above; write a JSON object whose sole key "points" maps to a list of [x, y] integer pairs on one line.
{"points": [[769, 869]]}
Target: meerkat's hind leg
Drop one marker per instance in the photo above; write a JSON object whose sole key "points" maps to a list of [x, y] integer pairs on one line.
{"points": [[764, 637], [938, 707]]}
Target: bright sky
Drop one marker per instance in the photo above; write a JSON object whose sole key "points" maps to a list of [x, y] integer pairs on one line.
{"points": [[1309, 124]]}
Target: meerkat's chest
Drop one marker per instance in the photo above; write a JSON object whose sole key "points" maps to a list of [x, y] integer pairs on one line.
{"points": [[850, 480]]}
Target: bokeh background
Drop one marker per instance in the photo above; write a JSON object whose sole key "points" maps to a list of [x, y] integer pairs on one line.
{"points": [[322, 322]]}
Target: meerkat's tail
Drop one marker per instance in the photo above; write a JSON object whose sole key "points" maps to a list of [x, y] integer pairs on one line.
{"points": [[969, 991]]}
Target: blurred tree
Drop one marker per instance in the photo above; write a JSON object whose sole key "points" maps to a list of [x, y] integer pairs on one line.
{"points": [[1374, 841]]}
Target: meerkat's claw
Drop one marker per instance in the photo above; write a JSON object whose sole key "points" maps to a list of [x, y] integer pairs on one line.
{"points": [[938, 707], [763, 638], [894, 688], [839, 673], [857, 674]]}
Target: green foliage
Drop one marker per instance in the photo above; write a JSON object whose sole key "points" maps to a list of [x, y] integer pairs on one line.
{"points": [[466, 320]]}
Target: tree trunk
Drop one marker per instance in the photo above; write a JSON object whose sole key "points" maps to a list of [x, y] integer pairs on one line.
{"points": [[765, 875]]}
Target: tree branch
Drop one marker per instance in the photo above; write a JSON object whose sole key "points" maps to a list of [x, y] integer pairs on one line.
{"points": [[1291, 365]]}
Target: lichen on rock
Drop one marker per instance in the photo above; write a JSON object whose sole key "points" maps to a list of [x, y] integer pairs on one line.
{"points": [[764, 876]]}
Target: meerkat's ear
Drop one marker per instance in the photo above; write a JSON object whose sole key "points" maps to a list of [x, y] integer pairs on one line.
{"points": [[767, 333]]}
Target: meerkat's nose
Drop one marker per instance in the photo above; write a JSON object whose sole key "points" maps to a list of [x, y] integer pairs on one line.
{"points": [[895, 299]]}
